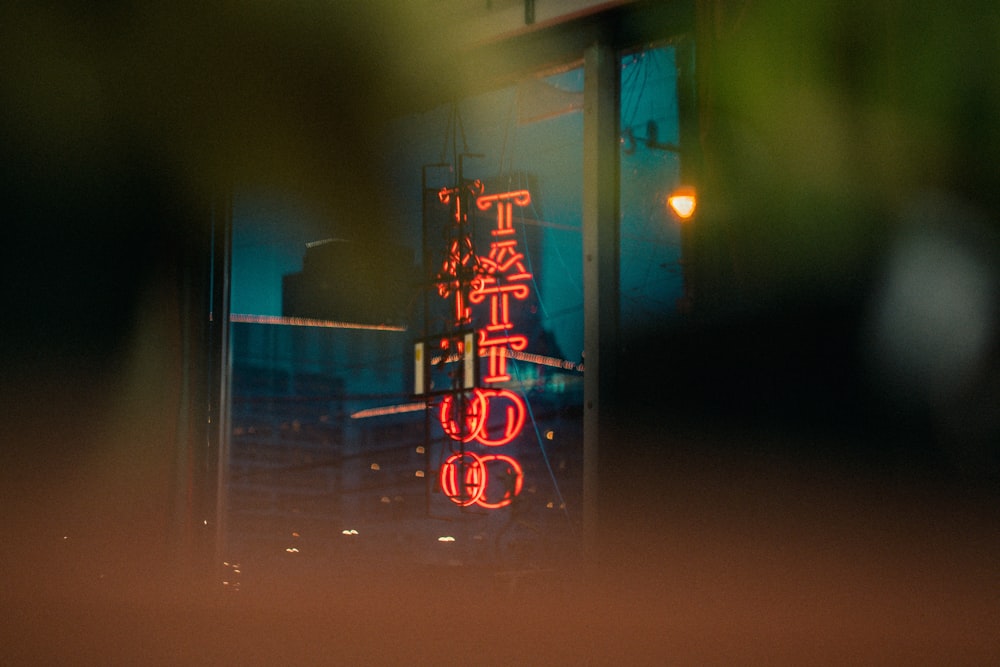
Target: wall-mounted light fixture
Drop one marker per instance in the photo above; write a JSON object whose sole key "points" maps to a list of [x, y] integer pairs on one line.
{"points": [[682, 202]]}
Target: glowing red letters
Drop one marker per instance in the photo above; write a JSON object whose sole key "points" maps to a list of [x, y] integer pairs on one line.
{"points": [[489, 417], [477, 417]]}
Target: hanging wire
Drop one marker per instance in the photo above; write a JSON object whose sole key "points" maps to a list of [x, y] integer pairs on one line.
{"points": [[634, 72], [512, 113], [447, 135], [453, 128], [461, 129], [541, 445]]}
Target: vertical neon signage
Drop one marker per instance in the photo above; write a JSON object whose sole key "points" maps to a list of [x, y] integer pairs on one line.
{"points": [[489, 416]]}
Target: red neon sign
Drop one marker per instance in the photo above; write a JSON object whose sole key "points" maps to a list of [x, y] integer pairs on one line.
{"points": [[490, 417], [477, 417], [465, 478], [459, 262]]}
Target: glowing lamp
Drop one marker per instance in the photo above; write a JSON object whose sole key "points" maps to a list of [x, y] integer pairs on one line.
{"points": [[682, 202]]}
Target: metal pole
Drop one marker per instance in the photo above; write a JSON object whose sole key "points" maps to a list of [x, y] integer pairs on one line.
{"points": [[600, 269]]}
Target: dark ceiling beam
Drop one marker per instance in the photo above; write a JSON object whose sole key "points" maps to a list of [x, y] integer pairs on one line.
{"points": [[553, 44]]}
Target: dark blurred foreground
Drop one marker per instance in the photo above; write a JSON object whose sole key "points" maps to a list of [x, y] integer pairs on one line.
{"points": [[715, 558], [805, 474]]}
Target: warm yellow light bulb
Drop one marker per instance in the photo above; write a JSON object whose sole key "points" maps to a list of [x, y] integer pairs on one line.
{"points": [[682, 202]]}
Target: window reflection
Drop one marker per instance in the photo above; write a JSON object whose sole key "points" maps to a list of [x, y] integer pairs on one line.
{"points": [[651, 276]]}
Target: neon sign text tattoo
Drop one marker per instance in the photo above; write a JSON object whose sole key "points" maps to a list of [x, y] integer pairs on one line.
{"points": [[491, 417]]}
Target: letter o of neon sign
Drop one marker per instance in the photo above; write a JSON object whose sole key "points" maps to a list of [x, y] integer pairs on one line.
{"points": [[476, 412], [477, 417], [472, 489]]}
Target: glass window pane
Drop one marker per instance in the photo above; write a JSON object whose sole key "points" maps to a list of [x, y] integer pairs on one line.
{"points": [[651, 278], [332, 455]]}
